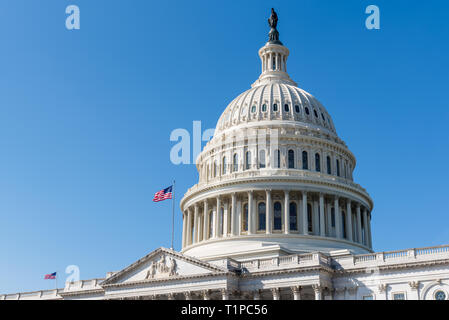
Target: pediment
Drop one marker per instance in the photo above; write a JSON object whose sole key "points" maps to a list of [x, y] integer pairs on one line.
{"points": [[162, 264]]}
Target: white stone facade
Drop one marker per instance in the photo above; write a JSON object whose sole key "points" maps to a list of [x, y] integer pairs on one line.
{"points": [[275, 215]]}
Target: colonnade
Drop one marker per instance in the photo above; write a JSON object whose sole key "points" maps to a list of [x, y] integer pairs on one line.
{"points": [[277, 212]]}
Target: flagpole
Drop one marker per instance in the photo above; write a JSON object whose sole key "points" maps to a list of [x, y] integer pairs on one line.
{"points": [[173, 218]]}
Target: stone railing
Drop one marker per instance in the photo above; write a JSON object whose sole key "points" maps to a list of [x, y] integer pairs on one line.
{"points": [[36, 295], [291, 261], [394, 257]]}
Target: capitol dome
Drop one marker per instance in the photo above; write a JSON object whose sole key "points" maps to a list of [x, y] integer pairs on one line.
{"points": [[275, 178]]}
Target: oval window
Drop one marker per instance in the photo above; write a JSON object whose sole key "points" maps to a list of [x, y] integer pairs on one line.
{"points": [[286, 108], [307, 110], [297, 109], [264, 107], [275, 107]]}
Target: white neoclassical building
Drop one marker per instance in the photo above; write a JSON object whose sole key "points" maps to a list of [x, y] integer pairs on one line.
{"points": [[275, 214]]}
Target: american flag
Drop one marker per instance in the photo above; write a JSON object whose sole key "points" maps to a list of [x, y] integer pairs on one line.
{"points": [[162, 195], [50, 276]]}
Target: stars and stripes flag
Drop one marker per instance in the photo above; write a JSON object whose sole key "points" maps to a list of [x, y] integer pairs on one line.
{"points": [[163, 194], [50, 276]]}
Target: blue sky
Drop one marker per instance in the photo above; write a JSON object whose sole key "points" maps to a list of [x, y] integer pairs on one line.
{"points": [[86, 116]]}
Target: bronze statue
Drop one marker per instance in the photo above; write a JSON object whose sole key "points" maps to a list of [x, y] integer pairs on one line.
{"points": [[274, 34], [273, 20]]}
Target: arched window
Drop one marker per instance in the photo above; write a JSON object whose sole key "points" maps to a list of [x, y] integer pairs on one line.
{"points": [[248, 160], [317, 162], [245, 217], [307, 111], [224, 164], [309, 218], [286, 108], [235, 163], [262, 159], [338, 167], [277, 216], [211, 223], [275, 107], [293, 217], [305, 161], [329, 169], [291, 159], [264, 108], [343, 223], [274, 63], [262, 211], [315, 113], [277, 158], [297, 109], [253, 109]]}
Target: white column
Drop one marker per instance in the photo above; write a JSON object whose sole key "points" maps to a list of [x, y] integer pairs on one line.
{"points": [[184, 227], [287, 212], [225, 218], [318, 291], [322, 220], [329, 219], [217, 219], [337, 218], [365, 229], [349, 219], [195, 224], [224, 294], [359, 225], [233, 211], [275, 292], [250, 212], [189, 226], [305, 228], [370, 239], [296, 293], [206, 221], [269, 213], [239, 217]]}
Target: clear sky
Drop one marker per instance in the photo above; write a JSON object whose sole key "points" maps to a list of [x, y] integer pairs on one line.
{"points": [[86, 116]]}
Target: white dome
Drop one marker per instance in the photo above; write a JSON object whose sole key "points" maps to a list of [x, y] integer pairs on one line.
{"points": [[275, 178], [275, 101]]}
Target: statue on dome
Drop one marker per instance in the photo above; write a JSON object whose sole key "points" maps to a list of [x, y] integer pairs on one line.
{"points": [[273, 22]]}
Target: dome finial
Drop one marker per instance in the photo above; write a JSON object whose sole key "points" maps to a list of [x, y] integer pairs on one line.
{"points": [[274, 34]]}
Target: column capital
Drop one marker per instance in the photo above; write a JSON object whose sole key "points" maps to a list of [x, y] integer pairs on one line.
{"points": [[188, 295], [296, 289], [414, 285], [275, 292], [206, 294], [317, 287], [382, 287]]}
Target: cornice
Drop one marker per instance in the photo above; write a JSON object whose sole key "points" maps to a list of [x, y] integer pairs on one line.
{"points": [[216, 186]]}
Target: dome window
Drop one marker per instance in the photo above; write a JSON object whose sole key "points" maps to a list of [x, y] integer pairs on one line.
{"points": [[277, 216], [275, 107], [253, 109], [316, 114], [262, 216], [297, 109], [264, 108], [322, 116], [286, 108], [307, 111]]}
